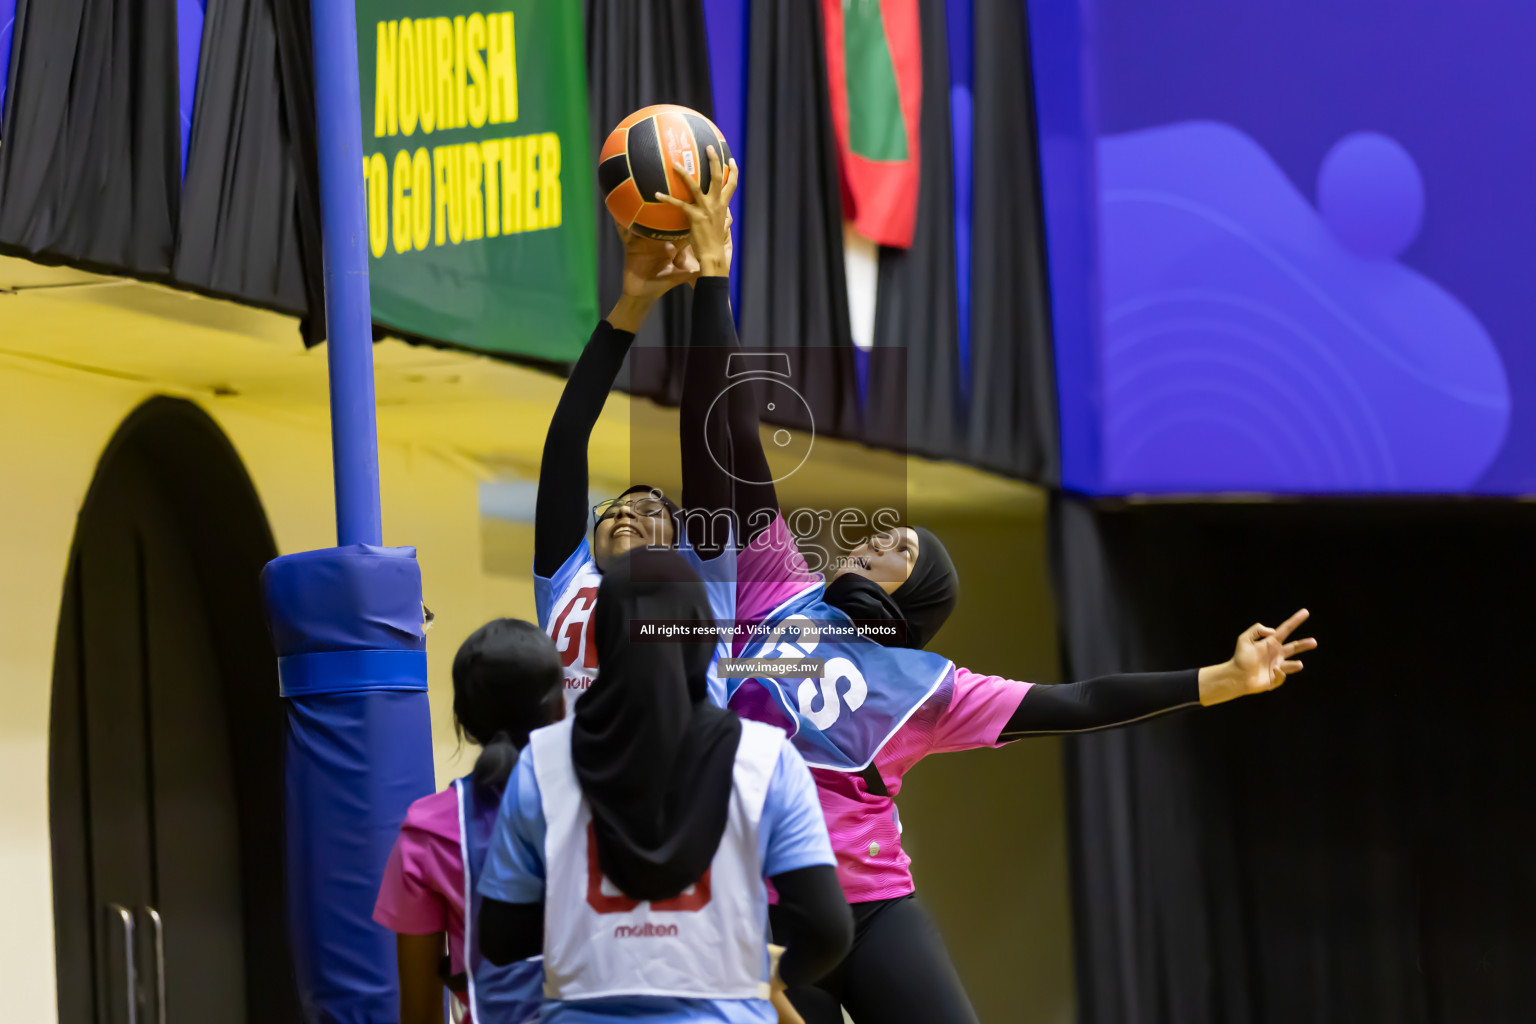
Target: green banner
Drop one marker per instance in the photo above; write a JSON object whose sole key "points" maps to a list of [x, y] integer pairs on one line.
{"points": [[478, 172]]}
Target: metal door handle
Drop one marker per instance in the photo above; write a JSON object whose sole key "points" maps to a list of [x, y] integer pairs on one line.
{"points": [[128, 960], [154, 917]]}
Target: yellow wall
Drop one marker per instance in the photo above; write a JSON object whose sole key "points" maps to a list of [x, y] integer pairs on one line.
{"points": [[986, 829], [72, 368], [55, 423]]}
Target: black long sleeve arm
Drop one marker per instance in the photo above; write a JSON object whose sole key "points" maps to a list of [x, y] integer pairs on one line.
{"points": [[560, 512], [812, 922], [1102, 703], [510, 932], [707, 485]]}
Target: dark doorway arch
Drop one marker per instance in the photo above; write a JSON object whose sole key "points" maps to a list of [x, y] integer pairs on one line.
{"points": [[166, 736]]}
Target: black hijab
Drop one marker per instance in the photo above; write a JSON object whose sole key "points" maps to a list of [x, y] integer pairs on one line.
{"points": [[921, 604], [652, 754]]}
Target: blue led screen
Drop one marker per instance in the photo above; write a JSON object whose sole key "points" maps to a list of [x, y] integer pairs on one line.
{"points": [[1303, 241]]}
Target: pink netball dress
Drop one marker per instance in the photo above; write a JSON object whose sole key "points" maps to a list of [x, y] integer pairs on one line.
{"points": [[423, 887], [966, 711]]}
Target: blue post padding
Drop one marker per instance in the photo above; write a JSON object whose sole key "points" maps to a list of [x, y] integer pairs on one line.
{"points": [[354, 764], [347, 625], [354, 598], [308, 675]]}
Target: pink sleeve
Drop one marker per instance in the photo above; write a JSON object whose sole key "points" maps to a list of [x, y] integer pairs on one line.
{"points": [[978, 711], [770, 571], [423, 887], [405, 904]]}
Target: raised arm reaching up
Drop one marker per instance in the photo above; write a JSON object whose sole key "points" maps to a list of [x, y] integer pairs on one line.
{"points": [[707, 483], [651, 269]]}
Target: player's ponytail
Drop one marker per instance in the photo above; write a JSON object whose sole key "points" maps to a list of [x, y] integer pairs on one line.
{"points": [[494, 765], [507, 682]]}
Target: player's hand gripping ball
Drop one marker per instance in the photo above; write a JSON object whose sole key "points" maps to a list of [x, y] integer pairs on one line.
{"points": [[637, 162]]}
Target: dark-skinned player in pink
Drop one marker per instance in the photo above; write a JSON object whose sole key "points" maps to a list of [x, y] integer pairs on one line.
{"points": [[899, 969]]}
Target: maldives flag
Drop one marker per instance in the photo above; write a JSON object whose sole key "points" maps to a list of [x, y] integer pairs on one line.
{"points": [[875, 74]]}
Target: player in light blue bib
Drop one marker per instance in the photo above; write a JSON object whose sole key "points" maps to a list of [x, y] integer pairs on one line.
{"points": [[567, 567], [635, 837]]}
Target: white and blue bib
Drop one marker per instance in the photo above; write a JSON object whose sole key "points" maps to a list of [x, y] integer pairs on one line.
{"points": [[566, 602], [709, 942]]}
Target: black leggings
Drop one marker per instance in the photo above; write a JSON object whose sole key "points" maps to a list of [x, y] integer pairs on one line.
{"points": [[898, 972]]}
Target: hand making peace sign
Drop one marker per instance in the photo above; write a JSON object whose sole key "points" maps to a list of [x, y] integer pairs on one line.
{"points": [[1261, 662]]}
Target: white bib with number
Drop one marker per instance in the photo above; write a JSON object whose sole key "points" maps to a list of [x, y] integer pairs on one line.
{"points": [[709, 942]]}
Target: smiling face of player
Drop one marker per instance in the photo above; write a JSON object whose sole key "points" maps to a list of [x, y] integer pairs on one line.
{"points": [[887, 558], [633, 520]]}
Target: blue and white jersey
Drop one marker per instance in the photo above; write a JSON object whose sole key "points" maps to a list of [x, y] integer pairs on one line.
{"points": [[865, 691], [497, 995], [700, 956], [566, 601]]}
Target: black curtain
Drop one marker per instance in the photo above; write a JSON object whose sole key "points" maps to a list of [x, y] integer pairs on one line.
{"points": [[790, 243], [251, 222], [90, 175], [90, 169], [1012, 413], [1354, 847], [1002, 415], [91, 161], [913, 400], [639, 54], [793, 294]]}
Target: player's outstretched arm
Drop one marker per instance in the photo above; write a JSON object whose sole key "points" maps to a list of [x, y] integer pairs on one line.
{"points": [[1260, 662], [651, 269], [1263, 658], [706, 483], [704, 442]]}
